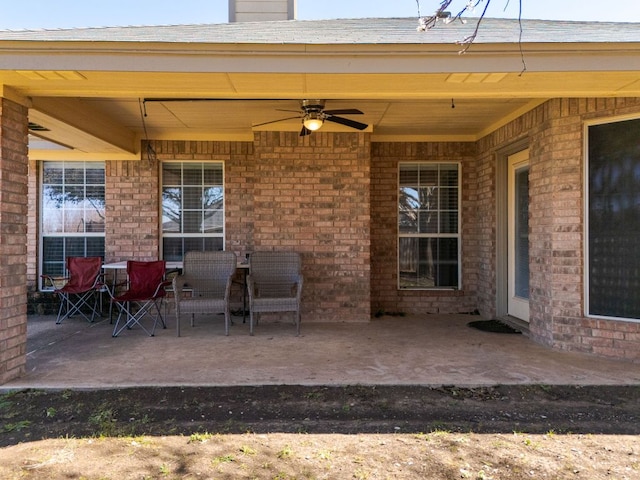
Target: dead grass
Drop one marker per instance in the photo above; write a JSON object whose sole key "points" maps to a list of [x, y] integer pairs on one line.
{"points": [[278, 456]]}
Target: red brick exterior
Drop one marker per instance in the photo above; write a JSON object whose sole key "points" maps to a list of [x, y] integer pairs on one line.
{"points": [[311, 194], [132, 211], [333, 197], [555, 133], [13, 239], [133, 197], [282, 192], [385, 296]]}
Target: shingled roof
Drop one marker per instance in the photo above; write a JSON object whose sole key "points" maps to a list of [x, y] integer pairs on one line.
{"points": [[345, 32]]}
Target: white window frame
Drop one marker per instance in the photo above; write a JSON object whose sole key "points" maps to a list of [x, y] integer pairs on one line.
{"points": [[457, 236], [221, 235], [41, 235]]}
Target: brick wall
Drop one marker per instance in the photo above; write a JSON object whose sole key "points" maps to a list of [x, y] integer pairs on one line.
{"points": [[13, 239], [385, 295], [564, 140], [283, 192], [484, 253], [239, 198], [238, 178], [132, 196], [124, 190], [556, 192], [41, 303], [311, 194], [555, 132]]}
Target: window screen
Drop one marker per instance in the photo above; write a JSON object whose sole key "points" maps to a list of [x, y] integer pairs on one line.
{"points": [[613, 212]]}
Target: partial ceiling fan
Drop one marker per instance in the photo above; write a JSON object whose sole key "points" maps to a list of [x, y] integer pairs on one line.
{"points": [[313, 115]]}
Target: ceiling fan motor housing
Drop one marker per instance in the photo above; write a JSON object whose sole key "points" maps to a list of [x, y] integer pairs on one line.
{"points": [[312, 105]]}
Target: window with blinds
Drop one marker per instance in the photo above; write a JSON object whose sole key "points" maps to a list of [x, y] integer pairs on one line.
{"points": [[192, 208], [428, 225], [72, 213]]}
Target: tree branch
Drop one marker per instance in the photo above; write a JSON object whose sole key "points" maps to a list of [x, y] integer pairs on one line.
{"points": [[441, 13], [467, 41]]}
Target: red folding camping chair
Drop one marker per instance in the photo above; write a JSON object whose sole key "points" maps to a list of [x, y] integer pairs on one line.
{"points": [[143, 297], [82, 285]]}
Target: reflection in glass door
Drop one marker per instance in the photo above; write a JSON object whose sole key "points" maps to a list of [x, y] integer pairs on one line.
{"points": [[518, 219]]}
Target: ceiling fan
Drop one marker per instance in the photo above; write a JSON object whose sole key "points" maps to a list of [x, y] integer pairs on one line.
{"points": [[313, 115]]}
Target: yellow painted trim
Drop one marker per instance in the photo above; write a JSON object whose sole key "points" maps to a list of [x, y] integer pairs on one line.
{"points": [[233, 136], [512, 116], [423, 138], [75, 155]]}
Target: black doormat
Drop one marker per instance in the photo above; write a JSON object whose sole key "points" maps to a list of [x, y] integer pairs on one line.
{"points": [[495, 326]]}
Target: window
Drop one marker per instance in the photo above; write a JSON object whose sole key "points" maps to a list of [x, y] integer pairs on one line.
{"points": [[428, 225], [613, 220], [192, 208], [72, 213]]}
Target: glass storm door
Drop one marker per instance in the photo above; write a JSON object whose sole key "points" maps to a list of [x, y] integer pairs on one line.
{"points": [[518, 245]]}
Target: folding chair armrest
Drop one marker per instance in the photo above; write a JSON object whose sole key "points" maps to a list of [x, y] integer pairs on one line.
{"points": [[99, 282], [161, 286], [102, 286], [112, 289]]}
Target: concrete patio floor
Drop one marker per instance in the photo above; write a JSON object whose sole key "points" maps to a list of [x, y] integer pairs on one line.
{"points": [[428, 350]]}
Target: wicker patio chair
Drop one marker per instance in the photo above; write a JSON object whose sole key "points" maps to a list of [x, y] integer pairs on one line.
{"points": [[275, 285], [204, 285]]}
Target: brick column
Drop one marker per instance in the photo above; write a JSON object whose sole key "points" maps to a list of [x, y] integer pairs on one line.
{"points": [[13, 239]]}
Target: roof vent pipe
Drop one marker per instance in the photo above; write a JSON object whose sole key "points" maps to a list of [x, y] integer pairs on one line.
{"points": [[262, 10]]}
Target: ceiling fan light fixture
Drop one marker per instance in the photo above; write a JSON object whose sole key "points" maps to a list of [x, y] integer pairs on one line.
{"points": [[313, 121]]}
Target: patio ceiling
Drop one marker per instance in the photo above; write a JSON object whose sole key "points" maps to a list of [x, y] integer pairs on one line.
{"points": [[98, 113]]}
